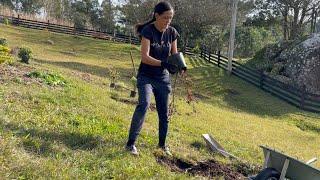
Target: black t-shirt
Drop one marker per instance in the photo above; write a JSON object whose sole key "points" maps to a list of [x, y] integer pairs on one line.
{"points": [[160, 47]]}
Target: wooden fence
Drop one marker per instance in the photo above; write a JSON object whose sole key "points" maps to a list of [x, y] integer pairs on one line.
{"points": [[290, 94], [17, 21], [295, 96]]}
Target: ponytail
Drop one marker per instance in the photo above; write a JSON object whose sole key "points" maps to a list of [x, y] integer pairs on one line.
{"points": [[160, 8], [139, 27]]}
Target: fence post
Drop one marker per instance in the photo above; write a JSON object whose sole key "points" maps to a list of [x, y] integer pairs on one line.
{"points": [[201, 51], [205, 53], [209, 54], [18, 19], [48, 25], [303, 97], [261, 79], [219, 56], [74, 30]]}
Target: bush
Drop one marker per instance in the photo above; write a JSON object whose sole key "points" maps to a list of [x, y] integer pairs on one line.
{"points": [[4, 50], [6, 58], [5, 21], [3, 42], [48, 78], [4, 55], [25, 54], [80, 21], [196, 49], [2, 59]]}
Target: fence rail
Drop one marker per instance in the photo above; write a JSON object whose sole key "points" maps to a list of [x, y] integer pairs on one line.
{"points": [[17, 21], [297, 97]]}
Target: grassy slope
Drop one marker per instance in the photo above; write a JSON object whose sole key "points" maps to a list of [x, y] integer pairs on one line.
{"points": [[79, 131]]}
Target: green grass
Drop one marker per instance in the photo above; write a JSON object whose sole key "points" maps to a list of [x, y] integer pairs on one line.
{"points": [[77, 131]]}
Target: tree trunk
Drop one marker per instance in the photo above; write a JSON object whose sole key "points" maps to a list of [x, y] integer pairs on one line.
{"points": [[285, 23], [312, 27], [295, 24]]}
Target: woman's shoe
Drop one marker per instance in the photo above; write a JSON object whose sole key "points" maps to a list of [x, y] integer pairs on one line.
{"points": [[166, 150], [133, 150]]}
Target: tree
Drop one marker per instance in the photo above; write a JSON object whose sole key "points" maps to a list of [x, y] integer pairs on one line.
{"points": [[29, 6], [7, 3], [137, 11], [295, 14], [59, 9], [194, 18], [107, 14]]}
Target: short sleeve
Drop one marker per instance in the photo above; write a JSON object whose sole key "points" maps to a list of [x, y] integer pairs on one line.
{"points": [[146, 32], [174, 34]]}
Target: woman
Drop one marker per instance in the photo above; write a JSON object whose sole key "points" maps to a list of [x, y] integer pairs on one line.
{"points": [[158, 41]]}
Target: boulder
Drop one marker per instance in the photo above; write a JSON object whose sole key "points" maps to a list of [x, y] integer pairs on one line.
{"points": [[303, 63]]}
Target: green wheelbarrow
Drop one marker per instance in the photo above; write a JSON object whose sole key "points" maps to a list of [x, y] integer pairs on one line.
{"points": [[278, 166]]}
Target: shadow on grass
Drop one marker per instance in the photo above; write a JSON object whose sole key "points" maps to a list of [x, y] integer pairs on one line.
{"points": [[235, 92], [198, 145], [86, 68], [41, 141]]}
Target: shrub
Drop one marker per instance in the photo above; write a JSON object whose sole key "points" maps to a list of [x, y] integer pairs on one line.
{"points": [[6, 58], [80, 21], [196, 49], [3, 42], [4, 50], [48, 78], [25, 54], [2, 59], [6, 21], [277, 68]]}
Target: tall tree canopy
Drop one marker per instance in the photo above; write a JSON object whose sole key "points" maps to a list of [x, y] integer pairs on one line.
{"points": [[295, 14]]}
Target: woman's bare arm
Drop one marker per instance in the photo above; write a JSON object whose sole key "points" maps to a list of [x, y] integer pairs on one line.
{"points": [[145, 57], [174, 47]]}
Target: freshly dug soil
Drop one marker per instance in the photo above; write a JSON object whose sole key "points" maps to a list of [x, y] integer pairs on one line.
{"points": [[210, 168]]}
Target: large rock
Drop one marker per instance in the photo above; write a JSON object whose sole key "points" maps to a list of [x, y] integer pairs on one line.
{"points": [[302, 63]]}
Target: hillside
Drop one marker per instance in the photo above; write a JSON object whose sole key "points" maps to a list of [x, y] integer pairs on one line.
{"points": [[78, 130]]}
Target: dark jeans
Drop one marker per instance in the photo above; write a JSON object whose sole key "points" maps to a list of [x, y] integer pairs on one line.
{"points": [[161, 91]]}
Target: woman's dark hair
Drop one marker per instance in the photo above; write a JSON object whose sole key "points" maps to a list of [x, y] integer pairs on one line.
{"points": [[160, 8]]}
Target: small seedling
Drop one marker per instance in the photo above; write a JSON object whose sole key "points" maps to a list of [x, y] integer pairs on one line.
{"points": [[114, 75], [190, 97], [134, 86]]}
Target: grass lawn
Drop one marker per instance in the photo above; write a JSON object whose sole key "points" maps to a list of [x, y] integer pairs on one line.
{"points": [[79, 130]]}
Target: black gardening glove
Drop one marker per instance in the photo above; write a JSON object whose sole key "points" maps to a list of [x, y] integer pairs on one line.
{"points": [[170, 67]]}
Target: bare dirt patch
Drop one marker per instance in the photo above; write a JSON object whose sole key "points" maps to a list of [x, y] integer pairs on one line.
{"points": [[210, 168], [16, 73], [85, 76]]}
